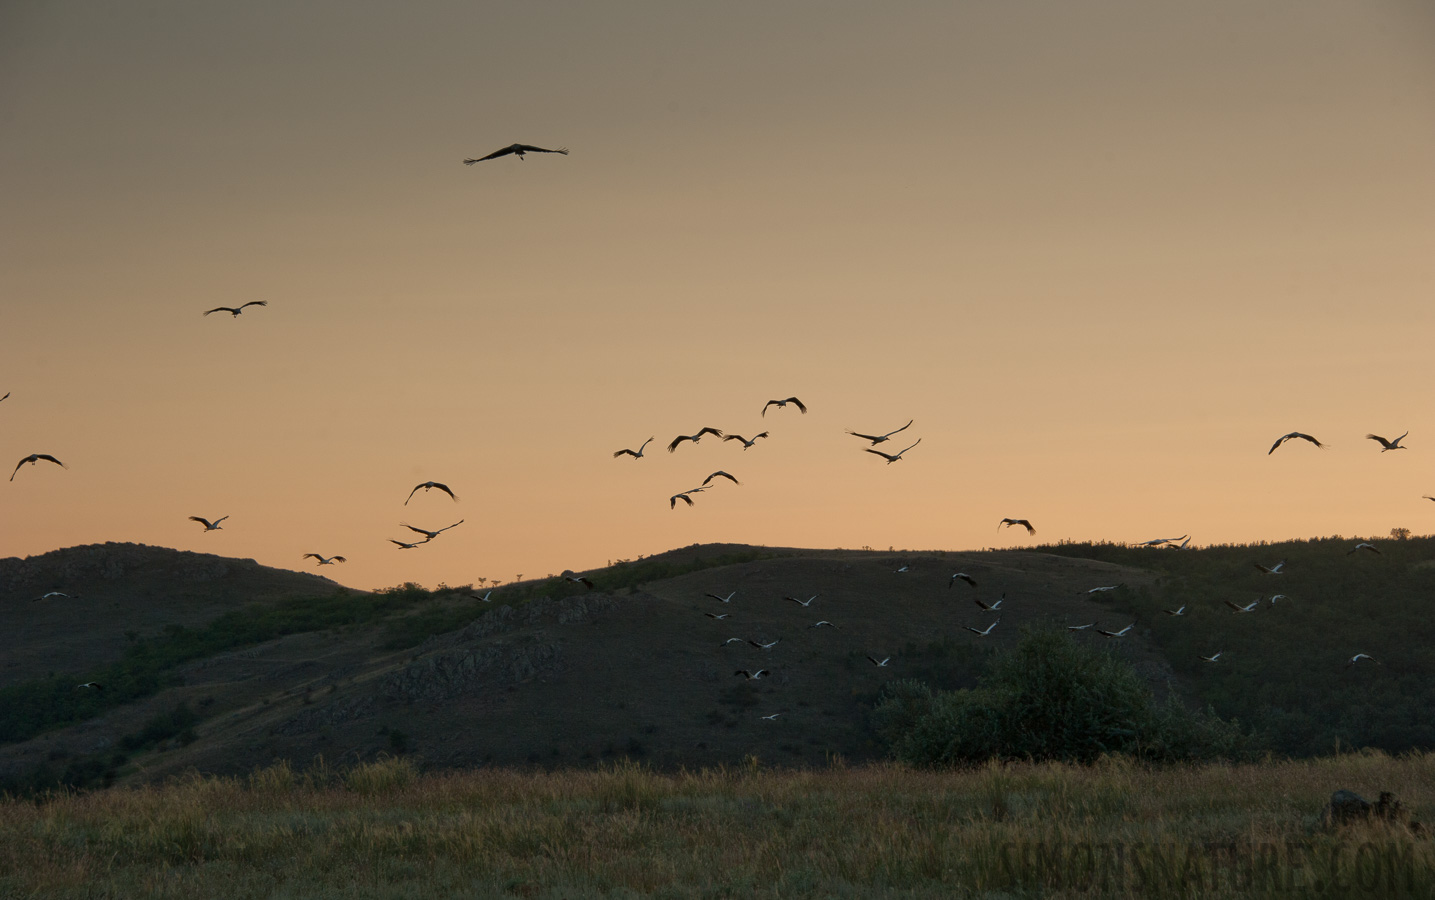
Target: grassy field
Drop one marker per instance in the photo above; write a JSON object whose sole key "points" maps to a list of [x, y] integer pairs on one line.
{"points": [[382, 830]]}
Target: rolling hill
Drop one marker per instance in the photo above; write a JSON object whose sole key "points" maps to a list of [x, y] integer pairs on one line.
{"points": [[552, 674]]}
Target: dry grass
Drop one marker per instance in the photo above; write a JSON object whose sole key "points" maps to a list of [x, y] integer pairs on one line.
{"points": [[384, 830]]}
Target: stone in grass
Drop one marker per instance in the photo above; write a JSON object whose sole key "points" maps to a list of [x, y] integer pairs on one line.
{"points": [[1347, 806]]}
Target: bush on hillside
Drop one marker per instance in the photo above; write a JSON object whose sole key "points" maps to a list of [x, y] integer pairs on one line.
{"points": [[1048, 699]]}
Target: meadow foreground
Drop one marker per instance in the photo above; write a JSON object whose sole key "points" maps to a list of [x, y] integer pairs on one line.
{"points": [[383, 830]]}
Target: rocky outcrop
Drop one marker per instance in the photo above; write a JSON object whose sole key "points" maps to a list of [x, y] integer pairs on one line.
{"points": [[443, 676]]}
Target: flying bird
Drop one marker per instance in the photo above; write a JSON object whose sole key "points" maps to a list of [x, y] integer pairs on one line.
{"points": [[771, 718], [890, 457], [1159, 541], [751, 676], [323, 561], [403, 546], [1098, 590], [34, 458], [902, 570], [1010, 522], [730, 641], [1237, 608], [727, 599], [821, 623], [716, 616], [1294, 434], [1359, 656], [1080, 627], [762, 646], [1272, 570], [517, 150], [803, 603], [6, 397], [745, 442], [879, 438], [92, 684], [1363, 545], [964, 577], [882, 664], [1388, 445], [683, 496], [1175, 612], [636, 454], [989, 606], [1121, 633], [50, 595], [208, 525], [431, 534], [483, 599], [720, 474], [236, 310], [781, 404], [427, 486], [1276, 597], [693, 437], [986, 632], [578, 579], [1213, 658]]}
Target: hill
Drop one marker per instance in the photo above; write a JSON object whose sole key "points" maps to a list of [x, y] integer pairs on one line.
{"points": [[549, 673]]}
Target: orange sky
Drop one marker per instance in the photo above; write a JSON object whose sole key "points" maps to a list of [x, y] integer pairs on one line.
{"points": [[1103, 253]]}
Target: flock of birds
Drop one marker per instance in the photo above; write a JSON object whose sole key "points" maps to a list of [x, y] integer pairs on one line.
{"points": [[686, 496]]}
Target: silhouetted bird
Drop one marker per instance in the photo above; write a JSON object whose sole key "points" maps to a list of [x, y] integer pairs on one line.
{"points": [[517, 150], [236, 310]]}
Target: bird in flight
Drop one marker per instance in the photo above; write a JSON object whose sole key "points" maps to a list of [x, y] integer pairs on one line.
{"points": [[236, 310], [781, 404], [989, 606], [902, 570], [1237, 608], [1080, 627], [1358, 657], [636, 454], [693, 437], [727, 599], [751, 676], [822, 623], [891, 457], [324, 561], [745, 442], [578, 579], [683, 496], [879, 438], [1388, 445], [483, 599], [1121, 633], [771, 718], [803, 603], [1159, 541], [720, 475], [6, 397], [403, 546], [431, 534], [731, 641], [1098, 590], [208, 525], [1294, 434], [1363, 545], [882, 664], [50, 595], [964, 577], [1272, 570], [762, 646], [95, 685], [1175, 612], [983, 633], [1010, 522], [716, 616], [34, 458], [427, 486], [1214, 657], [517, 150]]}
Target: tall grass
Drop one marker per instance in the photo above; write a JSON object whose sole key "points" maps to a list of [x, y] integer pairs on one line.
{"points": [[384, 830]]}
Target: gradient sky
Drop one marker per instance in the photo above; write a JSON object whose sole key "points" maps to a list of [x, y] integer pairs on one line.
{"points": [[1104, 253]]}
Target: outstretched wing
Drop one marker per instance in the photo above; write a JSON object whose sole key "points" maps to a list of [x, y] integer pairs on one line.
{"points": [[315, 555], [885, 456], [678, 440], [495, 154], [803, 407], [712, 431], [867, 437], [228, 309], [618, 453], [529, 148], [254, 303], [721, 475], [205, 522], [444, 488]]}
